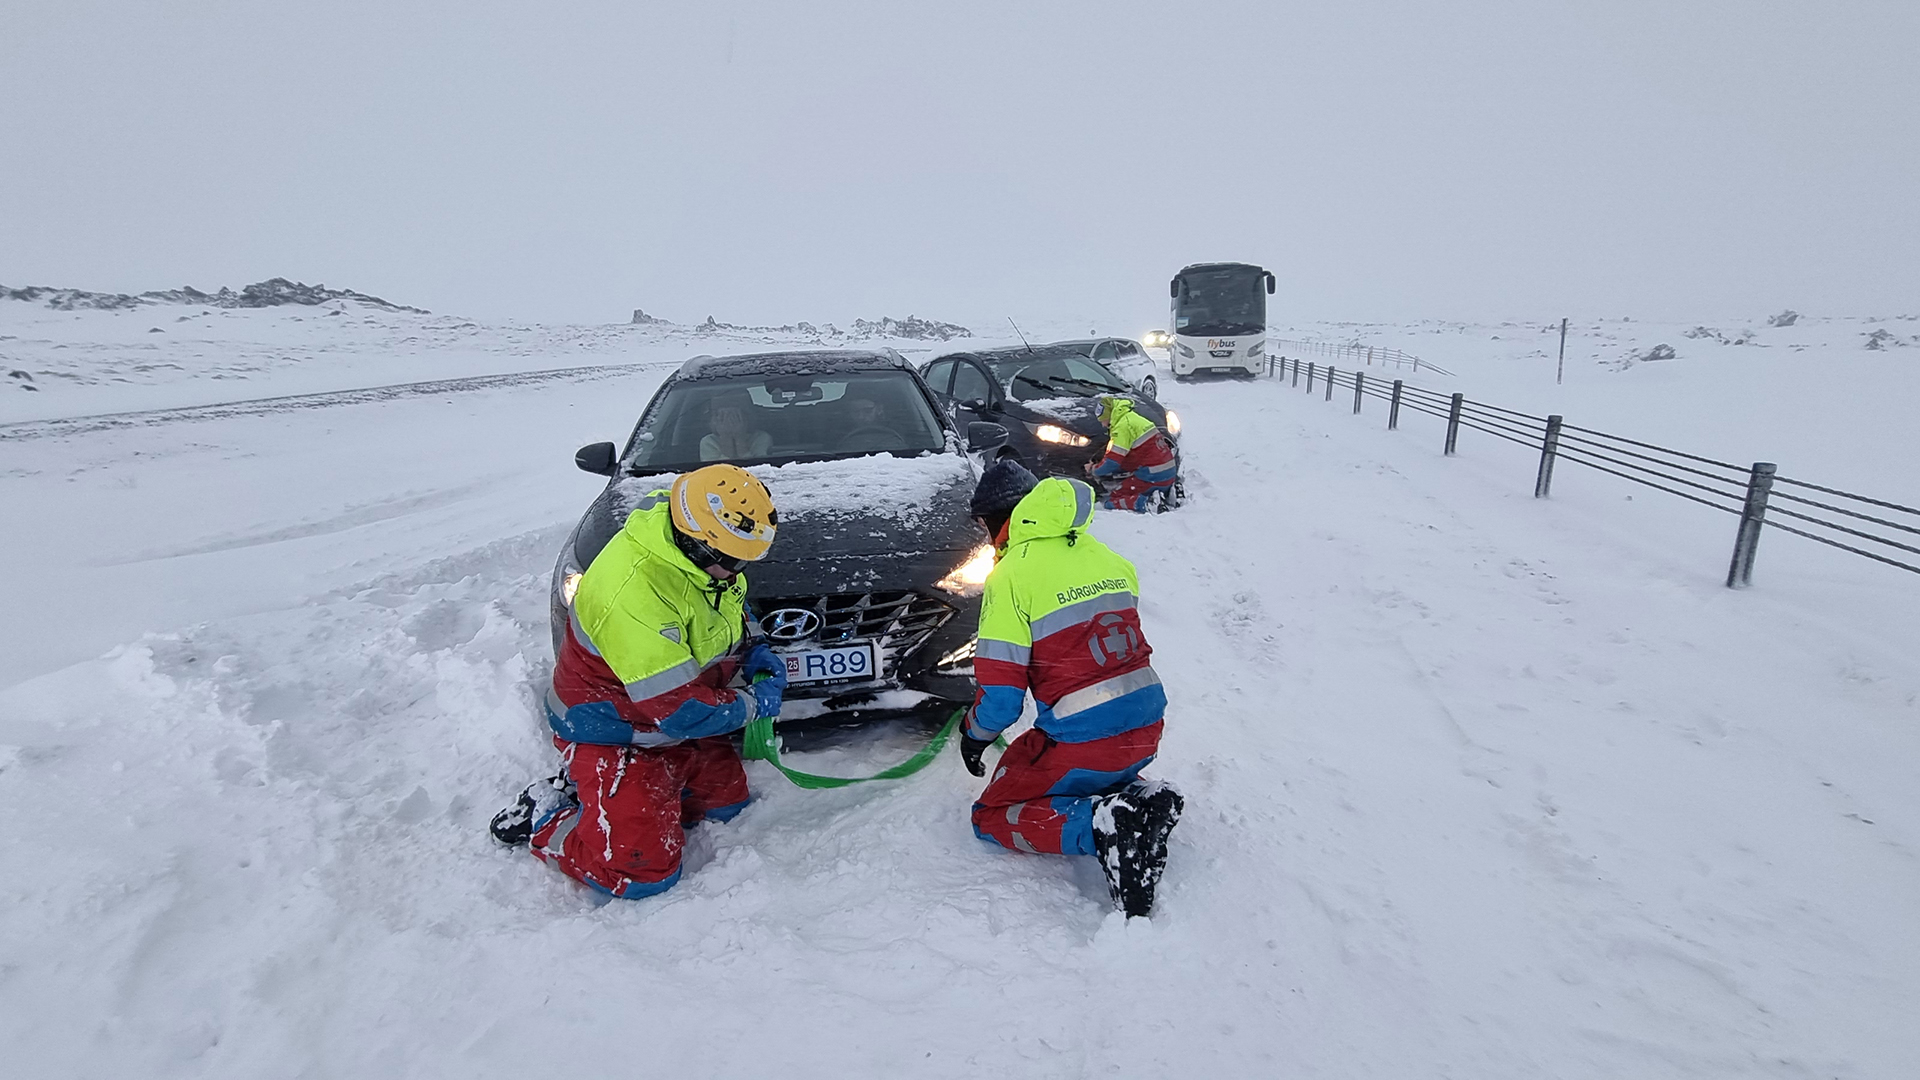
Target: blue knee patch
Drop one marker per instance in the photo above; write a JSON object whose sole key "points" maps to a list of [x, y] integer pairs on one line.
{"points": [[1092, 782], [729, 811], [637, 890], [1076, 832]]}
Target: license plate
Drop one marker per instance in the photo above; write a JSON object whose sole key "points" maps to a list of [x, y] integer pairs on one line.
{"points": [[831, 662]]}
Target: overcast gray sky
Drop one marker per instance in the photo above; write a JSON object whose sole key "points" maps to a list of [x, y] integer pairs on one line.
{"points": [[772, 160]]}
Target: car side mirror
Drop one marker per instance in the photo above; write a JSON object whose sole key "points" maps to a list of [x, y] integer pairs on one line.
{"points": [[983, 436], [597, 458], [979, 405], [1269, 283]]}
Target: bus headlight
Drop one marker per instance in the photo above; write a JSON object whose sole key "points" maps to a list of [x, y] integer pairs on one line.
{"points": [[1054, 433], [1173, 422], [967, 578], [1184, 351]]}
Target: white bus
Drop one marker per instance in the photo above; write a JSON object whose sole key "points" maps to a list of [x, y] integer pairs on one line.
{"points": [[1220, 319]]}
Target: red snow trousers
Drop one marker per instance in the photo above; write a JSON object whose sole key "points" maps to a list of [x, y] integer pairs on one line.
{"points": [[1043, 792], [625, 836]]}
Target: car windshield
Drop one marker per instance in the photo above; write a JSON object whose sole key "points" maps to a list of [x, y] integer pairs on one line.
{"points": [[761, 418], [1225, 302], [1033, 376]]}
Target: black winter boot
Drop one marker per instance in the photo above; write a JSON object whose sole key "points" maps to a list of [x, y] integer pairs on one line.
{"points": [[514, 825], [1130, 839]]}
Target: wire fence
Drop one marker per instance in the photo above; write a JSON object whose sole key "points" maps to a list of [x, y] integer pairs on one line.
{"points": [[1356, 355], [1889, 531]]}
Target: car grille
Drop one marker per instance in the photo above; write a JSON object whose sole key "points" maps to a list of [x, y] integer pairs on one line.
{"points": [[896, 622]]}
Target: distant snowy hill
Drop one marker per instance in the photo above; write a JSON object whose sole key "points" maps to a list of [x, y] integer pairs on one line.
{"points": [[274, 292]]}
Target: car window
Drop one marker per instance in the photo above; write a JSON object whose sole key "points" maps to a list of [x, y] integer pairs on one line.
{"points": [[757, 418], [937, 375], [970, 384], [1129, 350], [1103, 351]]}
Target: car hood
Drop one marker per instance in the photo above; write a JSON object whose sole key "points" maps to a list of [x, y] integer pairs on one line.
{"points": [[1081, 414], [877, 505]]}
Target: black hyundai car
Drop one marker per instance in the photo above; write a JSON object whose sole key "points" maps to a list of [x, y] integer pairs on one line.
{"points": [[872, 586], [1046, 398]]}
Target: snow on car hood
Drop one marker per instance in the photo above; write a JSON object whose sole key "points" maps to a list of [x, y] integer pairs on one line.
{"points": [[906, 489], [878, 505]]}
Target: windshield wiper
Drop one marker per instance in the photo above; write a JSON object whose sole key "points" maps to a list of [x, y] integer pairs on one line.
{"points": [[1033, 382], [1102, 387]]}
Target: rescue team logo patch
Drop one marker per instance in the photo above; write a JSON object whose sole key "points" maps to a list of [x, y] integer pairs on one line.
{"points": [[1112, 639], [1082, 592]]}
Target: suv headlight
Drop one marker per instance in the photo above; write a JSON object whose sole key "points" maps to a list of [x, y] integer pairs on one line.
{"points": [[1173, 422], [1054, 433], [967, 578]]}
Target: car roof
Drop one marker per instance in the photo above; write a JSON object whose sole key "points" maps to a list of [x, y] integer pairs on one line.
{"points": [[1038, 352], [793, 362]]}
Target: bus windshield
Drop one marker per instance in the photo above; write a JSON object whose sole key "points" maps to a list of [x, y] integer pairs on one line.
{"points": [[1224, 301]]}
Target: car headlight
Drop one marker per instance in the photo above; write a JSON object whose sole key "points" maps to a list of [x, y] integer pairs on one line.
{"points": [[1054, 433], [568, 586], [1155, 339], [1184, 351], [1173, 422], [967, 578]]}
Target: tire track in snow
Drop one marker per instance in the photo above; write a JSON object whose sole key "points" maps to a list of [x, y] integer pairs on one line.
{"points": [[87, 425]]}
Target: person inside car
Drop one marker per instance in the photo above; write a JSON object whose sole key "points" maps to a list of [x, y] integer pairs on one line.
{"points": [[1139, 457], [730, 438], [868, 429], [640, 705], [1058, 618]]}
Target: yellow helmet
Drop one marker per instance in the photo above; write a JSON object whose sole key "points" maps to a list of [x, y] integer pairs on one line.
{"points": [[726, 508]]}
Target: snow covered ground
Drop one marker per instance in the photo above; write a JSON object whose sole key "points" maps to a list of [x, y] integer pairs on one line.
{"points": [[1478, 785]]}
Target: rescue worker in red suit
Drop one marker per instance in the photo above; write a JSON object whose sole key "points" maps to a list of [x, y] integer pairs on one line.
{"points": [[1139, 456], [640, 705], [1058, 619]]}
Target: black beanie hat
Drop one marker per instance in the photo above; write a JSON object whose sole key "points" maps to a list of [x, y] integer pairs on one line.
{"points": [[1001, 488]]}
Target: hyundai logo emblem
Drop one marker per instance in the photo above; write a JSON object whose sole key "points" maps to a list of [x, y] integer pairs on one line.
{"points": [[790, 624]]}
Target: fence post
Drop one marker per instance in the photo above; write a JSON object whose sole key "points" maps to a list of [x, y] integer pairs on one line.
{"points": [[1310, 377], [1393, 411], [1359, 386], [1296, 371], [1752, 516], [1453, 423], [1329, 382], [1549, 446]]}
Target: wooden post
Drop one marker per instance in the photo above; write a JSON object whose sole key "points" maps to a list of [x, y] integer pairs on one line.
{"points": [[1752, 516], [1549, 447], [1359, 386], [1560, 372], [1453, 423], [1329, 382], [1309, 376], [1393, 411]]}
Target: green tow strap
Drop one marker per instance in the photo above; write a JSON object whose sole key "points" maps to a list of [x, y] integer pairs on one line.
{"points": [[759, 743]]}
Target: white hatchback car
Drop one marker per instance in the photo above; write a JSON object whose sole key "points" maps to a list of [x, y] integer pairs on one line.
{"points": [[1126, 359]]}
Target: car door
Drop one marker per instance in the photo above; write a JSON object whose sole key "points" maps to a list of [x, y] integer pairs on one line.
{"points": [[938, 375], [973, 395]]}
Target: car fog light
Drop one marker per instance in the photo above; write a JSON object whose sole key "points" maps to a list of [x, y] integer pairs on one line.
{"points": [[967, 578], [568, 586], [1054, 433], [1173, 422]]}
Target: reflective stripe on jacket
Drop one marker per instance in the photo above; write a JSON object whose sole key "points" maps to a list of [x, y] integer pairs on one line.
{"points": [[649, 646], [1058, 617], [1135, 446]]}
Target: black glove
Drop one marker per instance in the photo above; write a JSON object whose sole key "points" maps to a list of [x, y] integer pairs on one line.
{"points": [[970, 751]]}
